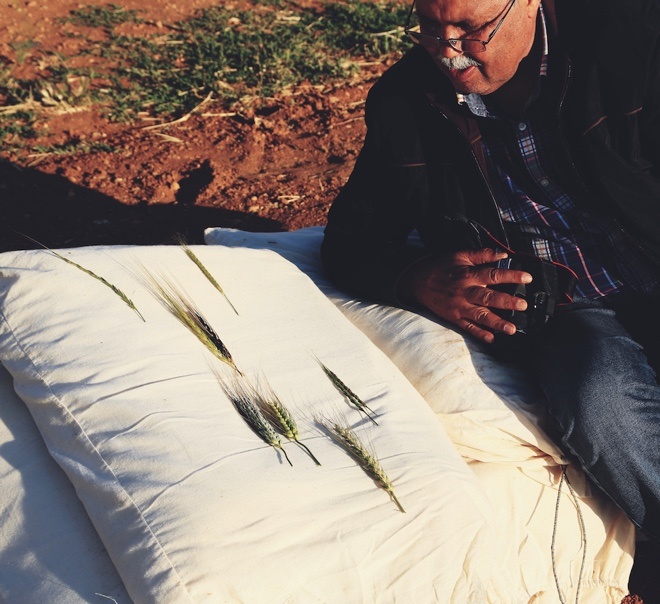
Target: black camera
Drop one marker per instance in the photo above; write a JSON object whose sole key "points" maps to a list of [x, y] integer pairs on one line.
{"points": [[551, 284]]}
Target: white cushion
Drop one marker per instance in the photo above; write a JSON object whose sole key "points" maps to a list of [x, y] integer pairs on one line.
{"points": [[49, 550], [494, 416], [190, 504]]}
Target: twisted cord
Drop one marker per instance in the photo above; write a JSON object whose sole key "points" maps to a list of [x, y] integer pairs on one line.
{"points": [[583, 531]]}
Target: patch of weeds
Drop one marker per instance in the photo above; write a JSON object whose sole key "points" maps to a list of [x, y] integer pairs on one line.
{"points": [[369, 29], [72, 91], [14, 90], [250, 53], [58, 85], [74, 147], [108, 16], [17, 127], [39, 153], [232, 54], [23, 49]]}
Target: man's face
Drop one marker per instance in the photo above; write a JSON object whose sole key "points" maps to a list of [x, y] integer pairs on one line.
{"points": [[482, 72]]}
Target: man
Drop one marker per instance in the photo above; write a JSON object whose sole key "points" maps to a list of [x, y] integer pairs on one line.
{"points": [[524, 130]]}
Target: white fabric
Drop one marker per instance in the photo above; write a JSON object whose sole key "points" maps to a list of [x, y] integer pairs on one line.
{"points": [[494, 417], [187, 500], [49, 550]]}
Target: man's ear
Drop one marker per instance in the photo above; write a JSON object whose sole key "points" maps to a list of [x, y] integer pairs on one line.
{"points": [[531, 7]]}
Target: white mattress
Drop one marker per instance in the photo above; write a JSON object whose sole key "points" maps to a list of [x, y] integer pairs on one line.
{"points": [[161, 472]]}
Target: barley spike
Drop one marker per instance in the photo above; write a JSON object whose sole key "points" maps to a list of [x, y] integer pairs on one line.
{"points": [[198, 263], [280, 417], [188, 314], [353, 398], [105, 282], [255, 419], [350, 442]]}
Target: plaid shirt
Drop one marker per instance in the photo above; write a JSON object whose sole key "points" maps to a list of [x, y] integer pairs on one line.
{"points": [[538, 206]]}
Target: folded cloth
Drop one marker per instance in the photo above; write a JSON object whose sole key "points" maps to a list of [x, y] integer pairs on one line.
{"points": [[49, 550]]}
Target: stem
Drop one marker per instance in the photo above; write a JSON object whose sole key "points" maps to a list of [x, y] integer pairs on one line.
{"points": [[316, 461], [398, 504], [368, 414], [229, 302], [285, 455]]}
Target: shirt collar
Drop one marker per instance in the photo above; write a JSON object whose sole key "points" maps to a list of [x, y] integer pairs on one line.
{"points": [[476, 103]]}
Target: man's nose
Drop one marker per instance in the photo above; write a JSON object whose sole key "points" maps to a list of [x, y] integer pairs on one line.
{"points": [[447, 51]]}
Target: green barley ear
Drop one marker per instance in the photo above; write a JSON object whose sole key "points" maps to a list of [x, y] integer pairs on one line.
{"points": [[348, 440], [115, 289], [352, 398], [242, 397], [279, 416], [174, 300], [205, 271]]}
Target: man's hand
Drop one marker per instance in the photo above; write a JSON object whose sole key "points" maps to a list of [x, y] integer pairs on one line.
{"points": [[456, 288]]}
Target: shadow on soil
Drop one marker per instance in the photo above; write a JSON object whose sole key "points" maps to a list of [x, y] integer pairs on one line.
{"points": [[59, 213]]}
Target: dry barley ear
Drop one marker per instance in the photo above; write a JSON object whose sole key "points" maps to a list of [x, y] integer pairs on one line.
{"points": [[115, 289], [341, 433], [185, 310], [242, 397], [352, 398], [198, 263], [278, 415]]}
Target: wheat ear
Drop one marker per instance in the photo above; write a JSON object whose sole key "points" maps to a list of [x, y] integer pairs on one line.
{"points": [[348, 440], [187, 313], [352, 398], [105, 282], [242, 399], [198, 263], [279, 416]]}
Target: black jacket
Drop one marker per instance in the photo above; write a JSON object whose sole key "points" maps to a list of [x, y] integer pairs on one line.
{"points": [[422, 166]]}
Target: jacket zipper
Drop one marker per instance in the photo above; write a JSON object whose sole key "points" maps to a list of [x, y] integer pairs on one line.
{"points": [[483, 178]]}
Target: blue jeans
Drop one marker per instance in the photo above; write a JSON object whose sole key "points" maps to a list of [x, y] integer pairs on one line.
{"points": [[604, 397]]}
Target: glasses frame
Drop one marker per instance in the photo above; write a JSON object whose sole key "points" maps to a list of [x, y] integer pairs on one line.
{"points": [[456, 44]]}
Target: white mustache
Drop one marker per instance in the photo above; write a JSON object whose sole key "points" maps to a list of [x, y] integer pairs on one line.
{"points": [[460, 62]]}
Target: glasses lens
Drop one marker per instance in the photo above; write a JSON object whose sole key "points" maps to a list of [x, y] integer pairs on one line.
{"points": [[466, 46], [471, 46], [428, 40], [422, 40]]}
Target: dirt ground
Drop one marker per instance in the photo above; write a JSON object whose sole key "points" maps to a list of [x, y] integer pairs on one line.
{"points": [[276, 167]]}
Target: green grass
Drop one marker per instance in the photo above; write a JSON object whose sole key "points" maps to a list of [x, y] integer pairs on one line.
{"points": [[107, 16], [360, 28], [23, 48], [74, 147], [14, 91], [17, 128], [235, 55], [252, 53]]}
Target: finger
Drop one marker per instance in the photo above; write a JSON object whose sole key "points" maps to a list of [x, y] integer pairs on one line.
{"points": [[481, 256], [497, 276], [475, 330], [485, 296], [485, 318]]}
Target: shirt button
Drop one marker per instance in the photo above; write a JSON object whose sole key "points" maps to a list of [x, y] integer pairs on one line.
{"points": [[522, 126], [544, 182]]}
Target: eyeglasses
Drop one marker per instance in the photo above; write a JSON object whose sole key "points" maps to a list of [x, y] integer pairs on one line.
{"points": [[461, 45]]}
